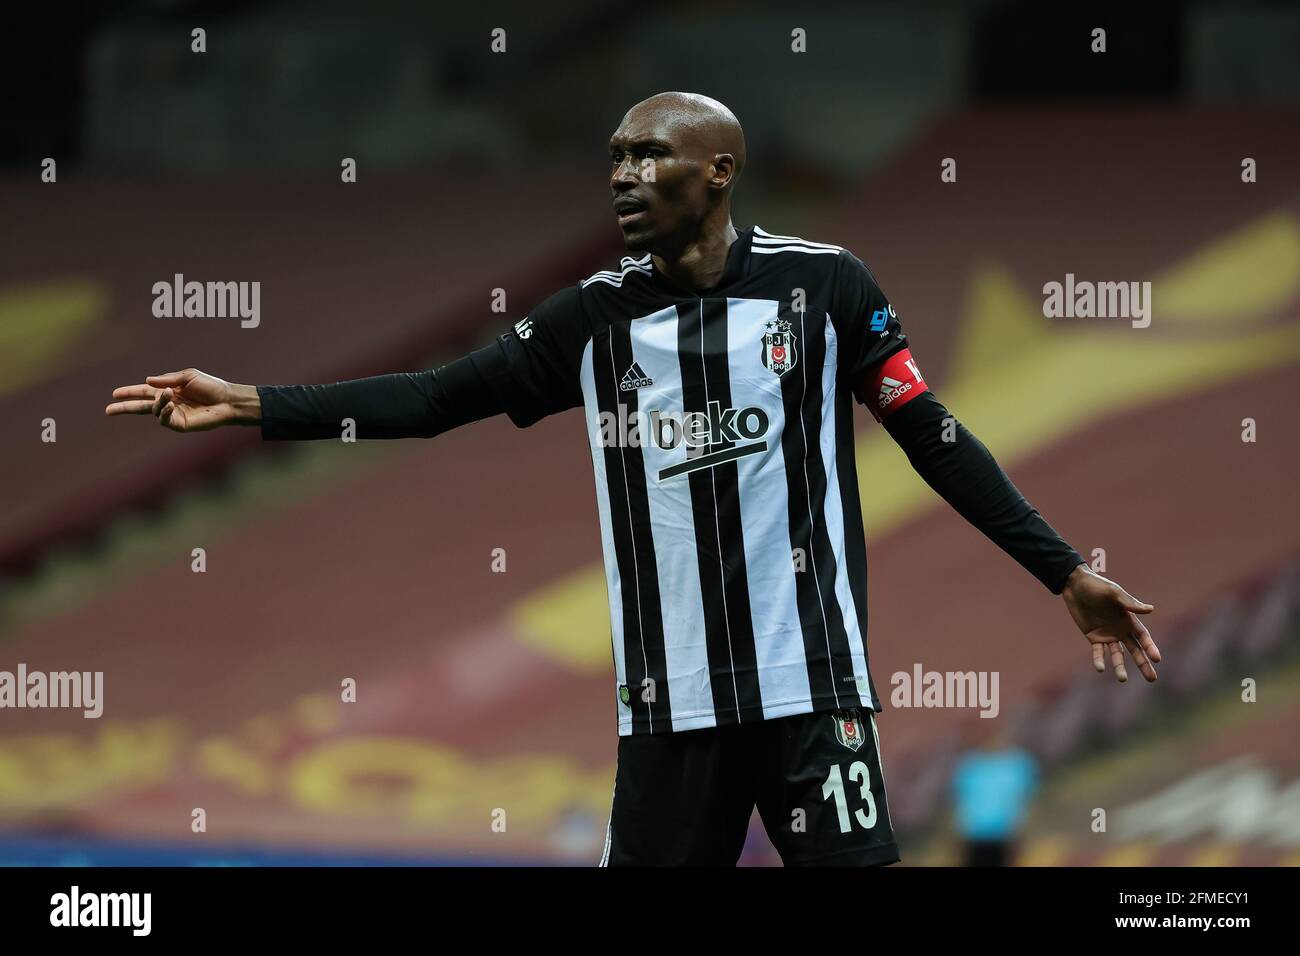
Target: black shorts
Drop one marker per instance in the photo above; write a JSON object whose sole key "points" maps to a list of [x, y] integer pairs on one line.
{"points": [[685, 799]]}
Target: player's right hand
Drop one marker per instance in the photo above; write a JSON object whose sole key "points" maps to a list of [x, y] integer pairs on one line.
{"points": [[188, 401]]}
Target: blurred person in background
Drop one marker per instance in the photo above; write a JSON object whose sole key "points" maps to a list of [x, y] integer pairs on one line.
{"points": [[992, 786]]}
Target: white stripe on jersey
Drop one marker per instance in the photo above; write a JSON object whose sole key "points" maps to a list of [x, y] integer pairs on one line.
{"points": [[765, 517], [616, 278], [834, 516], [654, 346], [812, 550], [765, 243], [717, 525], [612, 579], [762, 235], [772, 250]]}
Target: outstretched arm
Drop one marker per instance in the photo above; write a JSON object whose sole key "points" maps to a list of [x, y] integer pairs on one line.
{"points": [[960, 468], [877, 364], [529, 373], [405, 405]]}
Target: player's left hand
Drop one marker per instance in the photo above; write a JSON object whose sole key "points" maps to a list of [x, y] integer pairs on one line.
{"points": [[1108, 617]]}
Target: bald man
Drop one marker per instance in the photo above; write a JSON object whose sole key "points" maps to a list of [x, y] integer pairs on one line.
{"points": [[716, 370]]}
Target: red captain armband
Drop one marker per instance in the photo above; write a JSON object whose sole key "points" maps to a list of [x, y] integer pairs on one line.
{"points": [[891, 385]]}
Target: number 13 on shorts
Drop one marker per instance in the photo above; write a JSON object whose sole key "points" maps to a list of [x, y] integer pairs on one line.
{"points": [[854, 784], [833, 789]]}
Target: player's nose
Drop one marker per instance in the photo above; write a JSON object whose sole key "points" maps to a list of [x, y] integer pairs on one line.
{"points": [[624, 176]]}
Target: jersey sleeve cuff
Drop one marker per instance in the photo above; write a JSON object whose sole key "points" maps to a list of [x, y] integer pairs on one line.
{"points": [[1056, 582], [273, 421]]}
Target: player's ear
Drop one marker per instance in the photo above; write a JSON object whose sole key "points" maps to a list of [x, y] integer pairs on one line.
{"points": [[723, 170]]}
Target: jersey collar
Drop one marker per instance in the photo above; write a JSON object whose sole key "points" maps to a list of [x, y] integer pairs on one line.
{"points": [[735, 269]]}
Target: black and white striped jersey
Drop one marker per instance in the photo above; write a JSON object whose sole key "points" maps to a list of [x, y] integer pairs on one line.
{"points": [[721, 433]]}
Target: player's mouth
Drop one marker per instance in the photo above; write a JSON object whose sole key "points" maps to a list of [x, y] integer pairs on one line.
{"points": [[629, 210]]}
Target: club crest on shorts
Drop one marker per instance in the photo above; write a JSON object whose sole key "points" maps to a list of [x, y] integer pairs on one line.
{"points": [[778, 347], [848, 728]]}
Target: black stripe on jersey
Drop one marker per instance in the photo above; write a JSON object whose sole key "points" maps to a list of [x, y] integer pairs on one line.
{"points": [[855, 538], [715, 502], [629, 509], [826, 643]]}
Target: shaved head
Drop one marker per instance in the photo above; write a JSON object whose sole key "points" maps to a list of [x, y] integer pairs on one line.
{"points": [[676, 158], [701, 118]]}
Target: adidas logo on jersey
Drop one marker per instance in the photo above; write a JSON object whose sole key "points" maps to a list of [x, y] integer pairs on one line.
{"points": [[891, 388], [634, 378]]}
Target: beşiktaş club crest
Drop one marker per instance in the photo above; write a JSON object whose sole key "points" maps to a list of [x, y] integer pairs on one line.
{"points": [[848, 728], [778, 347]]}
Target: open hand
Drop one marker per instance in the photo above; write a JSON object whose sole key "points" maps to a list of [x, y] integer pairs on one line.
{"points": [[1108, 617], [188, 401]]}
